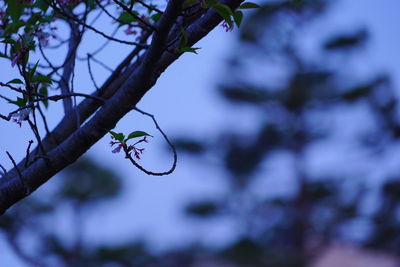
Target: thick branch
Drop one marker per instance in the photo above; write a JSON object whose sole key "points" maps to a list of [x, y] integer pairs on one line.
{"points": [[69, 64], [129, 91]]}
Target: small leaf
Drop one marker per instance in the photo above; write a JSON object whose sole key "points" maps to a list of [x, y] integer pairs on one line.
{"points": [[42, 4], [189, 49], [14, 9], [249, 5], [34, 18], [126, 18], [33, 70], [238, 17], [184, 38], [42, 79], [229, 21], [43, 91], [156, 17], [17, 81], [223, 10], [13, 27], [90, 4], [9, 41], [21, 102], [136, 134], [118, 136]]}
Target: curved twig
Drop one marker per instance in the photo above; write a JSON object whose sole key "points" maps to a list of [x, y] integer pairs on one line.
{"points": [[137, 165]]}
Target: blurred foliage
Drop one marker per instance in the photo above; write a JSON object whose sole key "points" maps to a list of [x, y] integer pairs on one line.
{"points": [[202, 209], [289, 230], [87, 182]]}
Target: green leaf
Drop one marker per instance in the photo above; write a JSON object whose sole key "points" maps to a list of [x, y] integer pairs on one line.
{"points": [[156, 17], [137, 134], [9, 41], [42, 79], [43, 91], [17, 81], [34, 18], [189, 49], [238, 17], [42, 4], [229, 21], [117, 136], [249, 5], [90, 4], [126, 18], [14, 9], [33, 70], [297, 2], [13, 27], [21, 102], [223, 10], [184, 39]]}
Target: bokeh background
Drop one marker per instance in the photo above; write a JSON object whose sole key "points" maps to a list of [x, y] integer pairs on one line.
{"points": [[287, 131]]}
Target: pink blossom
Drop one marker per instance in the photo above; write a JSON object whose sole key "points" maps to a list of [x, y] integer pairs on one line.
{"points": [[43, 37], [117, 149], [22, 115], [227, 27], [130, 31], [17, 56], [18, 121]]}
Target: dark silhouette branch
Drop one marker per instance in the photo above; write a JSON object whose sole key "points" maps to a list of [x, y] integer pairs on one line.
{"points": [[121, 92]]}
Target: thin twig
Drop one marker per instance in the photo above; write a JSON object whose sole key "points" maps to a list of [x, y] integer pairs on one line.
{"points": [[35, 131], [90, 73], [135, 16], [100, 48], [128, 155], [149, 6], [5, 98], [58, 97], [13, 88], [47, 60], [8, 117], [95, 30], [28, 153], [46, 126], [21, 179], [54, 98], [3, 170], [101, 64]]}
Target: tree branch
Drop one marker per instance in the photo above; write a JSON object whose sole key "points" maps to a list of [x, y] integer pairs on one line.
{"points": [[129, 88]]}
